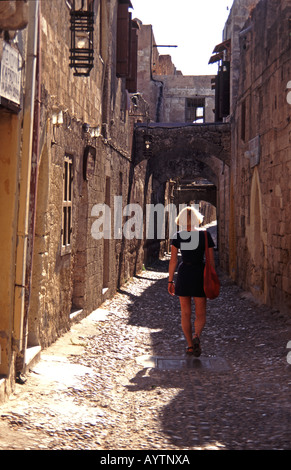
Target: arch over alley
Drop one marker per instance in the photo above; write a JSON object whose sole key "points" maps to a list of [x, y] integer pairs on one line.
{"points": [[194, 156], [181, 141], [183, 151]]}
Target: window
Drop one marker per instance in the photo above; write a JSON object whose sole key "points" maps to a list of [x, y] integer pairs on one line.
{"points": [[195, 110], [67, 204]]}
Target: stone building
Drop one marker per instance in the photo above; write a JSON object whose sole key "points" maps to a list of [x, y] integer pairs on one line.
{"points": [[260, 216], [252, 101], [67, 155], [172, 96]]}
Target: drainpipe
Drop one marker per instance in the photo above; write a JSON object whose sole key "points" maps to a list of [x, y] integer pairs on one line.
{"points": [[21, 362], [161, 83], [25, 177]]}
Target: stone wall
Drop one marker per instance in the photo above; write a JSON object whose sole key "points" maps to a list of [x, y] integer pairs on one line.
{"points": [[147, 56], [177, 88], [234, 29], [165, 88], [80, 276], [261, 166]]}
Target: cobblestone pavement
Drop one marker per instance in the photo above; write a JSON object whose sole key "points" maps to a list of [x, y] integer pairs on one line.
{"points": [[104, 385]]}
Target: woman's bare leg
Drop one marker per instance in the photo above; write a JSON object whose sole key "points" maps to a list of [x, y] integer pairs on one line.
{"points": [[200, 315], [185, 303]]}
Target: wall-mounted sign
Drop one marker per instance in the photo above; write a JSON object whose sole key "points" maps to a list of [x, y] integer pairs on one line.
{"points": [[254, 151], [10, 77]]}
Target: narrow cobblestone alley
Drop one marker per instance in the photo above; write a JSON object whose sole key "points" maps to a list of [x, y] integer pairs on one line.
{"points": [[119, 379]]}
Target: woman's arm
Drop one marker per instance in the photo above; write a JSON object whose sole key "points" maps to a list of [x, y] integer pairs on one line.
{"points": [[172, 266]]}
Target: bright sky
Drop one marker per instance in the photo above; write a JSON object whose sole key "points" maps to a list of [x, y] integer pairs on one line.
{"points": [[195, 26]]}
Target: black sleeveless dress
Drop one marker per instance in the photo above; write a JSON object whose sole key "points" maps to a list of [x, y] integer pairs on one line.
{"points": [[189, 280]]}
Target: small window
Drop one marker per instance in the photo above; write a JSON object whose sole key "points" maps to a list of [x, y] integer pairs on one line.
{"points": [[195, 110], [67, 204]]}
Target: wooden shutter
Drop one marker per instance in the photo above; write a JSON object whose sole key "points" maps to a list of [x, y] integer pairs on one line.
{"points": [[222, 92], [131, 82], [123, 40], [225, 89]]}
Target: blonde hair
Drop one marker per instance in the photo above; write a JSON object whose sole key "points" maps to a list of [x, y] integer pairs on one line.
{"points": [[189, 217]]}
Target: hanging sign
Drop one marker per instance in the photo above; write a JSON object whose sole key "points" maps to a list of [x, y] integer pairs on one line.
{"points": [[10, 76]]}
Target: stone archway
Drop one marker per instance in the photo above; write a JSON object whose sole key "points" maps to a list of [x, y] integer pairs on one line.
{"points": [[180, 153], [182, 150], [181, 141]]}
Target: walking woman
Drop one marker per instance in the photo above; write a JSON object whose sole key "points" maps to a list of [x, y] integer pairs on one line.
{"points": [[189, 283]]}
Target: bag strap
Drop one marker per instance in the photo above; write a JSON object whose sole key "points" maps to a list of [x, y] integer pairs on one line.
{"points": [[206, 247]]}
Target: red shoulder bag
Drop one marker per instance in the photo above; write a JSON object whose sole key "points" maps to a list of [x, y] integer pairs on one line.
{"points": [[211, 281]]}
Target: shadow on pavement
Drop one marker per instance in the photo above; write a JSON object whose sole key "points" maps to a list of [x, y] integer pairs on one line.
{"points": [[225, 399]]}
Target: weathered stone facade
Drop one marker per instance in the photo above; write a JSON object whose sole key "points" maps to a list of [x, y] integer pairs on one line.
{"points": [[178, 88], [80, 137], [260, 189], [166, 89], [78, 277]]}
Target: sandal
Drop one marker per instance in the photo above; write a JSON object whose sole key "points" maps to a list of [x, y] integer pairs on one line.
{"points": [[196, 346], [190, 351]]}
